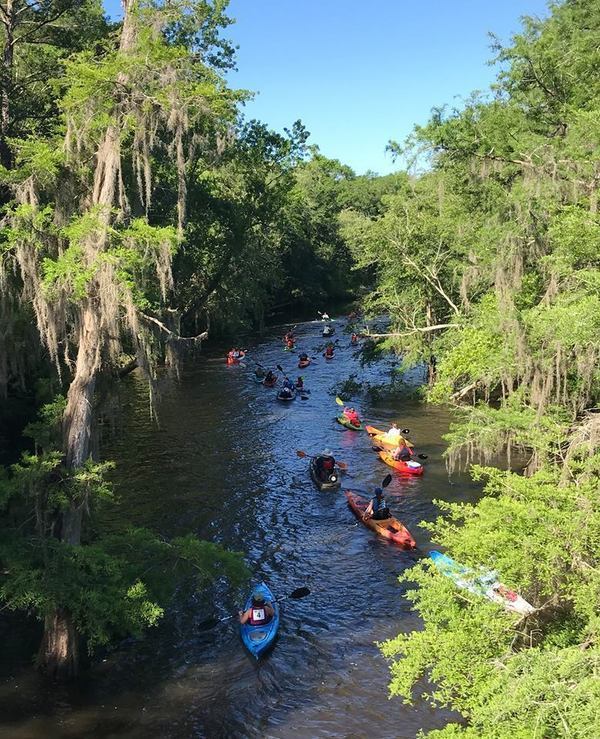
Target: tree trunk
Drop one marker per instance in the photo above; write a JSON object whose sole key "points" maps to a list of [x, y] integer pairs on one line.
{"points": [[9, 22], [59, 650]]}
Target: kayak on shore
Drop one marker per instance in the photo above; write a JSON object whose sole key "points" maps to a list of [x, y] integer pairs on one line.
{"points": [[485, 583], [388, 528], [258, 639]]}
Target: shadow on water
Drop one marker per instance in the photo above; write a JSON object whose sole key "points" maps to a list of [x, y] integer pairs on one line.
{"points": [[223, 465]]}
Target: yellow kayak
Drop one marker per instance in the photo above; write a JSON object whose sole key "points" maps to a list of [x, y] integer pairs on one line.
{"points": [[381, 437]]}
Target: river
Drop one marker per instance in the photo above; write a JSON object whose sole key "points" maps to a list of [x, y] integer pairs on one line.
{"points": [[222, 464]]}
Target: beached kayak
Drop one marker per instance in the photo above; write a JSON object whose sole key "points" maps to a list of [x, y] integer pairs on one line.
{"points": [[389, 528], [348, 424], [258, 639], [285, 397], [270, 383], [408, 468], [382, 439], [303, 363], [333, 482], [484, 583]]}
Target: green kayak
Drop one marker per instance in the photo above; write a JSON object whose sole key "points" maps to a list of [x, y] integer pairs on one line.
{"points": [[348, 424]]}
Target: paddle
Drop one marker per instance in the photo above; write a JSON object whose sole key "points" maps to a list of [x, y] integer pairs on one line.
{"points": [[301, 454], [210, 623], [381, 449]]}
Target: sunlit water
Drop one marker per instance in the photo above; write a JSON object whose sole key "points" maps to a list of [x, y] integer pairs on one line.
{"points": [[222, 463]]}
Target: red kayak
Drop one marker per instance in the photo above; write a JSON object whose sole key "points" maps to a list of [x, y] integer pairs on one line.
{"points": [[235, 360], [389, 528], [408, 468]]}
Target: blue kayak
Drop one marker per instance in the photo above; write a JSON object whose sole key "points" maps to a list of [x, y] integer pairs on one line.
{"points": [[258, 639]]}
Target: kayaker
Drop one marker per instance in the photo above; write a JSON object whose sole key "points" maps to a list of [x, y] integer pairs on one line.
{"points": [[270, 377], [259, 613], [303, 357], [352, 416], [377, 507], [259, 373], [290, 344], [325, 317], [288, 384], [402, 453], [329, 350], [325, 464], [354, 339], [393, 435], [300, 384]]}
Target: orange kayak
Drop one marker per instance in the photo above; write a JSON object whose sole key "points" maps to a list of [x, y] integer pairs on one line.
{"points": [[381, 438], [408, 468], [235, 360], [389, 528]]}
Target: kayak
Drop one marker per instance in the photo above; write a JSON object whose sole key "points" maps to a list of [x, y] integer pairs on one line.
{"points": [[289, 348], [272, 383], [303, 363], [485, 583], [333, 484], [235, 360], [409, 468], [258, 639], [348, 424], [381, 438], [389, 528], [328, 356], [286, 398]]}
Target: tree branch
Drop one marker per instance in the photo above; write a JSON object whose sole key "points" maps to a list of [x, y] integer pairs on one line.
{"points": [[171, 334]]}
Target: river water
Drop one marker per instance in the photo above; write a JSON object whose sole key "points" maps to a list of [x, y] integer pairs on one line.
{"points": [[222, 464]]}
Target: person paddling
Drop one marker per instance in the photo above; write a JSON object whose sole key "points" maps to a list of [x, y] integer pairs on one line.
{"points": [[393, 435], [352, 416], [402, 452], [329, 350], [259, 613], [325, 465], [377, 508], [300, 383]]}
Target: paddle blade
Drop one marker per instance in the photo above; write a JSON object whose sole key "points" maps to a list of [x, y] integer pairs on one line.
{"points": [[342, 465], [405, 431], [386, 481], [423, 456], [304, 397], [339, 401], [301, 454], [208, 624], [299, 593], [279, 367]]}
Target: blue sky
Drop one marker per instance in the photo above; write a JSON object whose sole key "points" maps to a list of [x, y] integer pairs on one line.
{"points": [[360, 73]]}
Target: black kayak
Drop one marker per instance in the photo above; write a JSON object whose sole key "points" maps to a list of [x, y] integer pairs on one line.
{"points": [[332, 484], [281, 395]]}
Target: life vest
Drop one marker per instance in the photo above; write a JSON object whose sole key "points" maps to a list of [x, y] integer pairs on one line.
{"points": [[290, 344], [258, 616], [329, 352], [379, 505]]}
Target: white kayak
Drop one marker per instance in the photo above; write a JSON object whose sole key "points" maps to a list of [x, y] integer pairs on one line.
{"points": [[484, 583]]}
